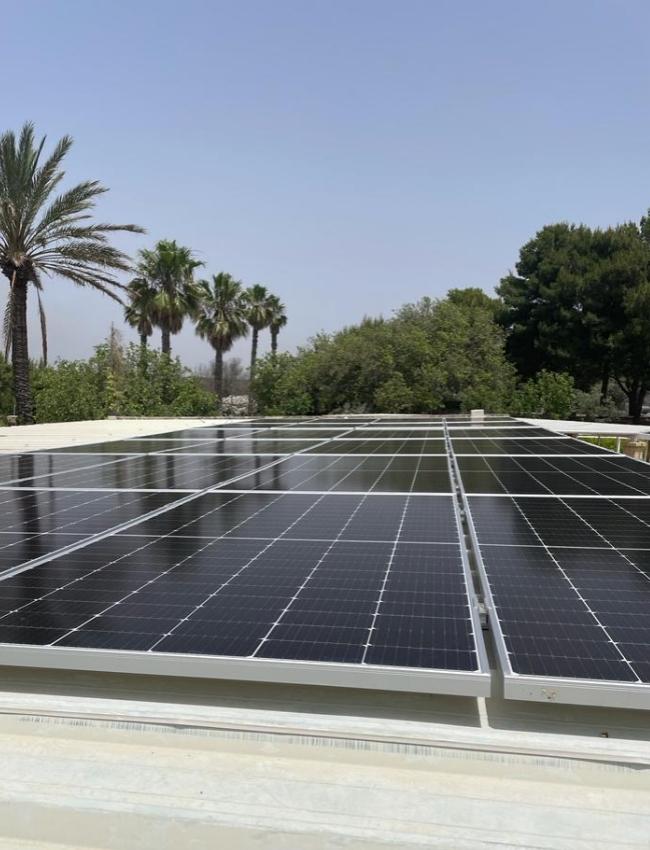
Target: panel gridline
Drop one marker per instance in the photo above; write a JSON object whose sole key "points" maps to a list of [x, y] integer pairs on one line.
{"points": [[377, 580]]}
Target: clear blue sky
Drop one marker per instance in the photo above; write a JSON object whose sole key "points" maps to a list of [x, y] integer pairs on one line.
{"points": [[350, 154]]}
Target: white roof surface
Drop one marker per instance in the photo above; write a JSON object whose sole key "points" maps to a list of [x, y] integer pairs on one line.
{"points": [[120, 762]]}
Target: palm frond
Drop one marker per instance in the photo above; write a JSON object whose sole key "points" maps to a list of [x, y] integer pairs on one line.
{"points": [[277, 313], [259, 309], [44, 180], [222, 316], [166, 276]]}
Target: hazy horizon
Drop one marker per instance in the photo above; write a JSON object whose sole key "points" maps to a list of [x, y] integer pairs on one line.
{"points": [[349, 156]]}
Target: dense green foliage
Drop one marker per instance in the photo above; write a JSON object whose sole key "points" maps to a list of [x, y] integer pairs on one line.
{"points": [[549, 395], [281, 386], [433, 355], [580, 303], [114, 382]]}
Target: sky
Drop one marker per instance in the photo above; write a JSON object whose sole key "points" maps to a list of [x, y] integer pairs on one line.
{"points": [[351, 155]]}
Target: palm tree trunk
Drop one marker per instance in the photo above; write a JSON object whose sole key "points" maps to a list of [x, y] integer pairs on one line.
{"points": [[20, 351], [43, 321], [218, 374], [143, 354], [251, 376], [274, 341], [165, 344]]}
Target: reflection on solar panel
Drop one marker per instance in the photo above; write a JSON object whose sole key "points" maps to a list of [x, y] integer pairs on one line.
{"points": [[332, 551], [562, 546], [301, 550]]}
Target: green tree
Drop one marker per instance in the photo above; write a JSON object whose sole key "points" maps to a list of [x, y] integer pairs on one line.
{"points": [[277, 320], [222, 319], [139, 312], [281, 386], [259, 316], [432, 356], [579, 303], [465, 366], [617, 311], [541, 302], [550, 395], [393, 396], [112, 382], [169, 269], [474, 298], [46, 235]]}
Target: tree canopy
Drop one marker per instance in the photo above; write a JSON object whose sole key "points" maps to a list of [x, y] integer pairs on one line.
{"points": [[580, 303], [432, 355]]}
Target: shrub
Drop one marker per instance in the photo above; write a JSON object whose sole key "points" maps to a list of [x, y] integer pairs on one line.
{"points": [[549, 395], [120, 381]]}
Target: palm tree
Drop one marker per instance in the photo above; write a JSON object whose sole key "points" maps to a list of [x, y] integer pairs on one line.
{"points": [[168, 269], [139, 311], [278, 319], [259, 317], [139, 314], [46, 235], [222, 319]]}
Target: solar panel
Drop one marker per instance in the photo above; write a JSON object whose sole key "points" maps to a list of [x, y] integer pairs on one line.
{"points": [[394, 433], [18, 468], [392, 474], [245, 446], [561, 543], [389, 447], [561, 476], [126, 447], [515, 432], [152, 473], [532, 446], [297, 562]]}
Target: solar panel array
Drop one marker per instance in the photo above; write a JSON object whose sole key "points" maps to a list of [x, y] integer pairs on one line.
{"points": [[332, 550], [324, 550]]}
